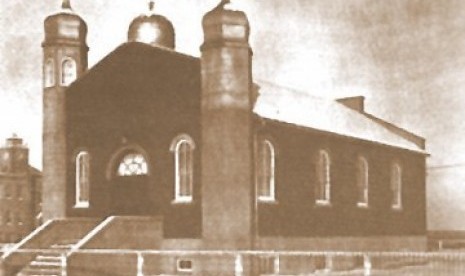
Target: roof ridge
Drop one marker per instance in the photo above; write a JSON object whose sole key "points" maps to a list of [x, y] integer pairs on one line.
{"points": [[325, 114]]}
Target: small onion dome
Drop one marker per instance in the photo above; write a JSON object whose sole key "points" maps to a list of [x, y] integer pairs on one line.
{"points": [[152, 29], [65, 26], [222, 24]]}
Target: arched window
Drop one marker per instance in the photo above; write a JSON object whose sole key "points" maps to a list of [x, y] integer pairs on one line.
{"points": [[362, 182], [19, 192], [132, 164], [8, 192], [396, 186], [82, 179], [265, 171], [49, 73], [183, 147], [8, 217], [68, 71], [323, 185]]}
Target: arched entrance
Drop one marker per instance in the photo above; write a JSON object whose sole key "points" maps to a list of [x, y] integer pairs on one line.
{"points": [[130, 184]]}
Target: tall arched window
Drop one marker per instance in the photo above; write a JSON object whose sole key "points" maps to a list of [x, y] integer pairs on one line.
{"points": [[49, 73], [82, 179], [183, 147], [396, 186], [323, 185], [8, 217], [132, 164], [68, 71], [362, 182], [265, 171]]}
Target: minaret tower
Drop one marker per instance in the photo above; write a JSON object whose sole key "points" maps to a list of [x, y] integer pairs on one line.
{"points": [[227, 134], [65, 60]]}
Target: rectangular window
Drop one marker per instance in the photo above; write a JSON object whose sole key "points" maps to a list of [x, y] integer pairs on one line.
{"points": [[184, 265]]}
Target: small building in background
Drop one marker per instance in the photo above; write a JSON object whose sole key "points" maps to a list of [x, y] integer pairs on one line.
{"points": [[19, 191]]}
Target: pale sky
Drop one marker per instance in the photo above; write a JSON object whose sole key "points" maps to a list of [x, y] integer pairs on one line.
{"points": [[407, 57]]}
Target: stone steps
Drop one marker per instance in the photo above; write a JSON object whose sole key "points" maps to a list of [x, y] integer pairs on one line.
{"points": [[48, 263]]}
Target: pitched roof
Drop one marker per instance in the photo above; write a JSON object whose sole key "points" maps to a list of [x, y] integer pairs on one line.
{"points": [[301, 109], [274, 102]]}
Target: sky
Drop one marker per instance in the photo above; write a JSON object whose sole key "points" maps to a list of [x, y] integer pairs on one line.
{"points": [[407, 57]]}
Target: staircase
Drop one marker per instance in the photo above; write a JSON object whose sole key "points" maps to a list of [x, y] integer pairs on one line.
{"points": [[50, 262]]}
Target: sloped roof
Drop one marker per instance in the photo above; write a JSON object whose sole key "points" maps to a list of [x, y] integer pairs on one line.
{"points": [[274, 102], [301, 109]]}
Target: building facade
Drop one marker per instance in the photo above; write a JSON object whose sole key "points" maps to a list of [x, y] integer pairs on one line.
{"points": [[20, 186], [152, 149]]}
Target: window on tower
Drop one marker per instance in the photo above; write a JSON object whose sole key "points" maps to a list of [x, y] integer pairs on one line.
{"points": [[8, 192], [8, 217], [19, 192], [362, 182], [68, 71], [396, 186], [82, 179], [132, 164], [49, 73], [265, 171], [323, 185], [183, 147]]}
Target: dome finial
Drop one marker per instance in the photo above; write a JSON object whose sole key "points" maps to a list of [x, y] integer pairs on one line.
{"points": [[222, 4], [151, 6], [66, 4]]}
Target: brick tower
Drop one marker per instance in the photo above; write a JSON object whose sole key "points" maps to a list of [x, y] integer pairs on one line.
{"points": [[14, 156], [65, 59], [227, 144]]}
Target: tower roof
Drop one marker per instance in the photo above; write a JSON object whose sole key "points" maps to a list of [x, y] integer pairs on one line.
{"points": [[14, 141], [225, 24], [65, 25], [152, 29]]}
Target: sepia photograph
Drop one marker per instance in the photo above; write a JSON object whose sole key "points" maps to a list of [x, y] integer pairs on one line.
{"points": [[232, 137]]}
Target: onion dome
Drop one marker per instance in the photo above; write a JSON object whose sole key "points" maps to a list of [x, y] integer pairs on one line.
{"points": [[152, 29], [223, 24], [65, 26]]}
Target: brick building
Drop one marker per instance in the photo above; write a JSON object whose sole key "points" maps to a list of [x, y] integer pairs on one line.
{"points": [[20, 186], [152, 149]]}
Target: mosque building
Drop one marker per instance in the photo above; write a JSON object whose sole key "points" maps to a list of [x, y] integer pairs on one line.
{"points": [[152, 149]]}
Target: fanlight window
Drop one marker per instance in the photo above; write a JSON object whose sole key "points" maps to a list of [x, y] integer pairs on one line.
{"points": [[82, 179], [132, 164], [265, 171], [362, 182], [183, 147], [49, 73], [68, 71], [323, 185], [396, 186]]}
